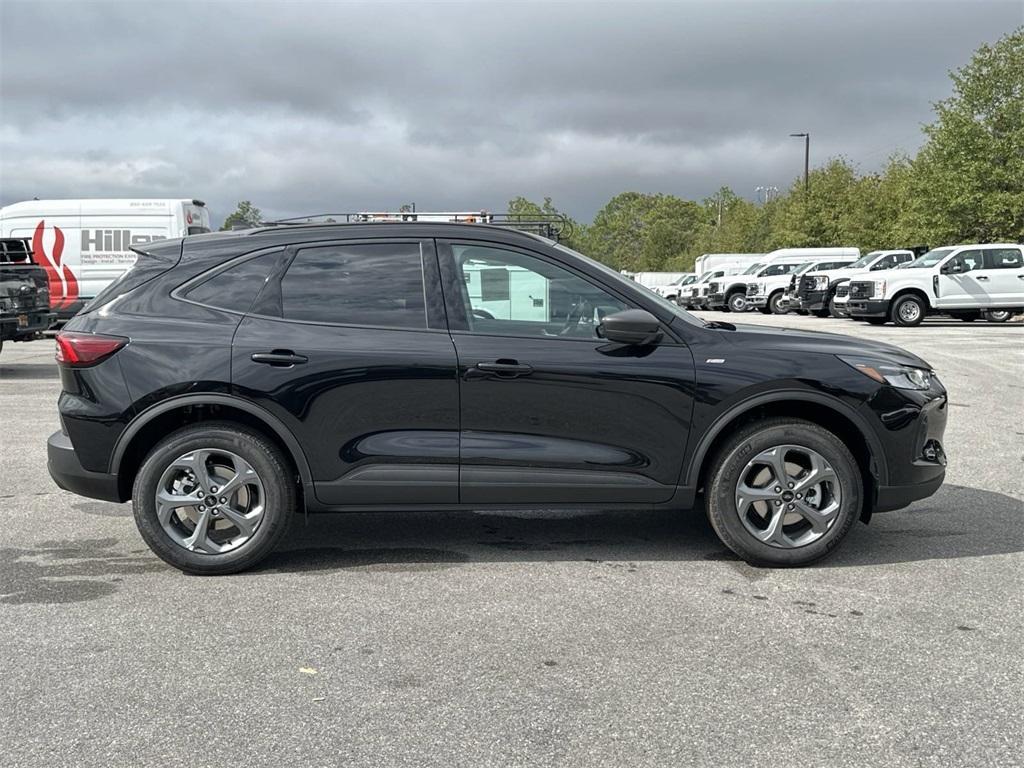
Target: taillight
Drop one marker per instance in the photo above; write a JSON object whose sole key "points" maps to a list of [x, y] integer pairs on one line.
{"points": [[78, 350]]}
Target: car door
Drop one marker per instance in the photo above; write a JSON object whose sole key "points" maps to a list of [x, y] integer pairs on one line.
{"points": [[347, 345], [550, 413], [1004, 268], [957, 283]]}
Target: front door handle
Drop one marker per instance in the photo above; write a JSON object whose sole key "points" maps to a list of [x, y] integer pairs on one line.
{"points": [[508, 369], [981, 277], [279, 358]]}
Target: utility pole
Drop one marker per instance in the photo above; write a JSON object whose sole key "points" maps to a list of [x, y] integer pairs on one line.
{"points": [[807, 154]]}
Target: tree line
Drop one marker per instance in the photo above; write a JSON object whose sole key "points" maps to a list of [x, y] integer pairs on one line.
{"points": [[966, 184]]}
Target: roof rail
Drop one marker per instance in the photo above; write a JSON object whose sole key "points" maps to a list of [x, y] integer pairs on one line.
{"points": [[550, 225]]}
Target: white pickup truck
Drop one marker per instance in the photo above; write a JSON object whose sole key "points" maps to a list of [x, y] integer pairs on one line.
{"points": [[672, 290], [768, 292], [963, 281], [816, 288]]}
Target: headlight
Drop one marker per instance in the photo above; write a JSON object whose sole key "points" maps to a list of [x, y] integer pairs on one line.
{"points": [[879, 289], [820, 283], [899, 376]]}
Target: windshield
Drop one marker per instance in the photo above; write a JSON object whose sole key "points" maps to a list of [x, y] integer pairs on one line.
{"points": [[930, 259], [753, 268], [804, 267], [685, 280], [865, 260]]}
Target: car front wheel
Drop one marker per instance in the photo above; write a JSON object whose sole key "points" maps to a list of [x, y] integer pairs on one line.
{"points": [[214, 499], [783, 492], [775, 304], [738, 302], [908, 311]]}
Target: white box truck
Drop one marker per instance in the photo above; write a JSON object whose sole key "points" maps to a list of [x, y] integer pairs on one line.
{"points": [[84, 245]]}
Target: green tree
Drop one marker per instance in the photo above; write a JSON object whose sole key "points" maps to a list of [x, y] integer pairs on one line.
{"points": [[644, 232], [968, 179], [246, 215]]}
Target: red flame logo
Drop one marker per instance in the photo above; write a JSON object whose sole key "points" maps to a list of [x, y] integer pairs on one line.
{"points": [[63, 284]]}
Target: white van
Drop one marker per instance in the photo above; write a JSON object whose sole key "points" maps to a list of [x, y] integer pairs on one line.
{"points": [[84, 245], [737, 262]]}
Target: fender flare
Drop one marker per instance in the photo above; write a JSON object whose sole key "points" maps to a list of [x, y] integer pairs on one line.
{"points": [[273, 423], [877, 466]]}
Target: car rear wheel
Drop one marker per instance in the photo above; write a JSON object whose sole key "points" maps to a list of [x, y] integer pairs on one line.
{"points": [[214, 498], [908, 311], [998, 315], [783, 492]]}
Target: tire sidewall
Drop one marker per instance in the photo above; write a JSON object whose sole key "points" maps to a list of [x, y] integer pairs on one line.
{"points": [[279, 501], [730, 463], [742, 304], [773, 303]]}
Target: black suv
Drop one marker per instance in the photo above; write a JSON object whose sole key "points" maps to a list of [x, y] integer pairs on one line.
{"points": [[229, 381]]}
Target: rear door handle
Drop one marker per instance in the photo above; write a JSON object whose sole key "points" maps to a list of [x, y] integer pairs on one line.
{"points": [[505, 368], [279, 358]]}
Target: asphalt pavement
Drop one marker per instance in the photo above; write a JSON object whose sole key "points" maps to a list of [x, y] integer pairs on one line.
{"points": [[539, 638]]}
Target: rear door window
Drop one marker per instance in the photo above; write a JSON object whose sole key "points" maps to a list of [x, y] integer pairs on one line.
{"points": [[1003, 258], [378, 284]]}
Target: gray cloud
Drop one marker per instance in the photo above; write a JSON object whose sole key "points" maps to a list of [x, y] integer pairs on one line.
{"points": [[328, 106]]}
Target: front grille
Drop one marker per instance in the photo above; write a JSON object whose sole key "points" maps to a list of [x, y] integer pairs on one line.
{"points": [[861, 289], [843, 290], [806, 286], [713, 287]]}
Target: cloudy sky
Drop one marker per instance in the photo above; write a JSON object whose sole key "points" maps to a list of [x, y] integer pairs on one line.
{"points": [[334, 106]]}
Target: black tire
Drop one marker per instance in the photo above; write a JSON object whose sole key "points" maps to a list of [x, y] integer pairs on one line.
{"points": [[736, 302], [773, 304], [875, 320], [273, 469], [998, 315], [908, 311], [725, 472]]}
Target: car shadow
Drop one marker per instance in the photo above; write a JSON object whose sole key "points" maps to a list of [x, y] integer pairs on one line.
{"points": [[29, 371], [957, 522]]}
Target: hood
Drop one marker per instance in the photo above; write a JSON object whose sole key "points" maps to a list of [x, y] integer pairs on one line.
{"points": [[784, 340]]}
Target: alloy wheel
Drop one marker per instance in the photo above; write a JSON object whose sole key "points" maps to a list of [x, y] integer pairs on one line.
{"points": [[210, 501], [788, 496]]}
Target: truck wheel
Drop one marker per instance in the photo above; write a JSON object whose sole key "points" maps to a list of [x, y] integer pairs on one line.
{"points": [[783, 492], [213, 499], [998, 315], [908, 311], [737, 302], [773, 304]]}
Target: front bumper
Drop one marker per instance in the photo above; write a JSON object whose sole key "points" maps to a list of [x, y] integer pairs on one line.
{"points": [[813, 301], [868, 307], [757, 302], [913, 427], [715, 300], [67, 472]]}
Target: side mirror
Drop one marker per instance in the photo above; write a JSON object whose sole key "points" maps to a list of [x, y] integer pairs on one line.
{"points": [[631, 326], [953, 268]]}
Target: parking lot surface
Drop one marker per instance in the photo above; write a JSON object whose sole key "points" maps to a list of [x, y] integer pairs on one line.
{"points": [[527, 638]]}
